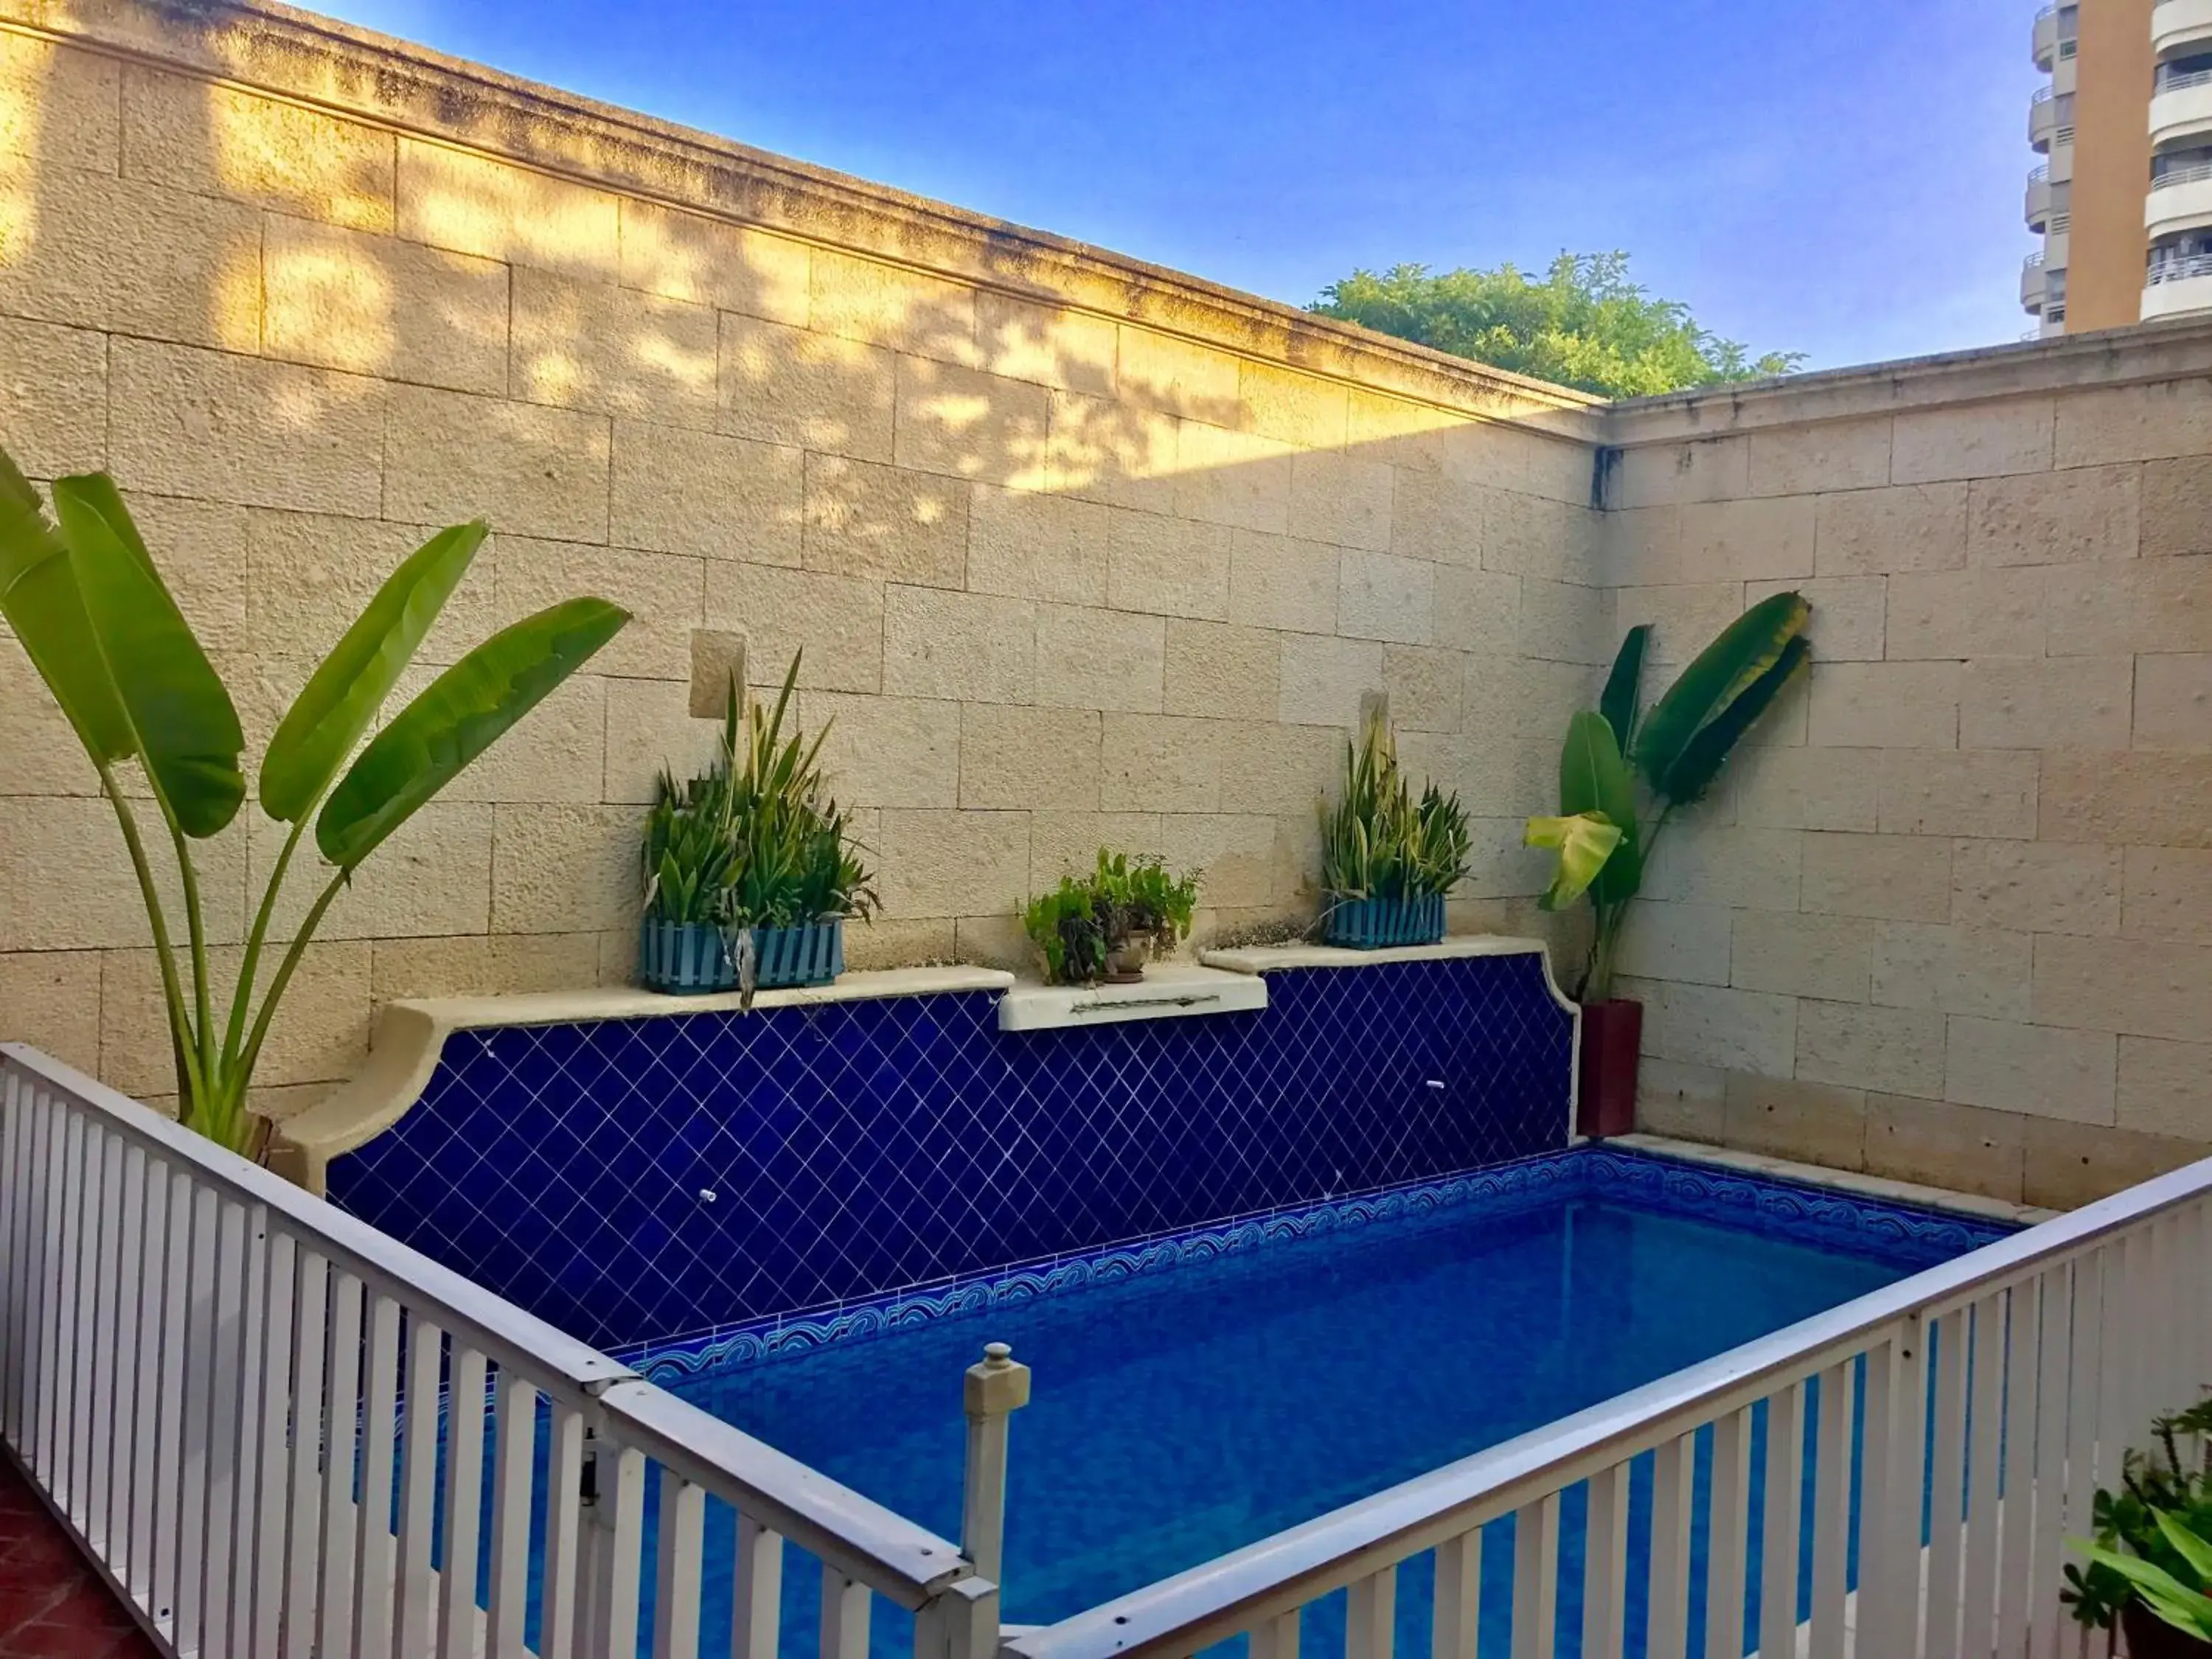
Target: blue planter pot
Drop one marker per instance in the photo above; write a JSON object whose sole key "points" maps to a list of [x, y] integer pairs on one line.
{"points": [[693, 958], [685, 958], [812, 955], [1371, 924]]}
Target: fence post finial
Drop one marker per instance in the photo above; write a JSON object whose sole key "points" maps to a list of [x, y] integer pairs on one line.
{"points": [[996, 1386]]}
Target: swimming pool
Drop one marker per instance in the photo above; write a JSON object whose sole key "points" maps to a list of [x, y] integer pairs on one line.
{"points": [[1183, 1413]]}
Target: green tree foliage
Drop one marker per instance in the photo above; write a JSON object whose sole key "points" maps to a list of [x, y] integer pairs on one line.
{"points": [[1585, 325]]}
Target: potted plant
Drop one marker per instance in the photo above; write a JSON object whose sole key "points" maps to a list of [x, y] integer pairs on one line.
{"points": [[1604, 839], [2149, 1568], [1106, 925], [750, 868], [1386, 859], [88, 605]]}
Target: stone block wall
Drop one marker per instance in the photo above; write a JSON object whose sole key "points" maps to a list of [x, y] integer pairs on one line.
{"points": [[1078, 550], [1951, 920]]}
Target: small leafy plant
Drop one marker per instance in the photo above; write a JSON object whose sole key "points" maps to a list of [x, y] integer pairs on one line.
{"points": [[2151, 1547], [756, 840], [89, 608], [1123, 907], [1678, 748], [1377, 840]]}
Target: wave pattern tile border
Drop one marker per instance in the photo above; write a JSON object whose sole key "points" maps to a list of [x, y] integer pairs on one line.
{"points": [[1902, 1235], [635, 1179]]}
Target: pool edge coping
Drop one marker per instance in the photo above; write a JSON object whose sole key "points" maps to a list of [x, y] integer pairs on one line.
{"points": [[1859, 1184]]}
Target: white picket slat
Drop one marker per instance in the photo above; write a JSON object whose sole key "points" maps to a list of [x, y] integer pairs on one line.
{"points": [[514, 1446], [1727, 1524], [1948, 1481], [1672, 1482], [1780, 1524], [1605, 1565], [681, 1552], [415, 1612], [1457, 1629], [1536, 1577], [1832, 1510], [757, 1592], [1371, 1614], [463, 1510]]}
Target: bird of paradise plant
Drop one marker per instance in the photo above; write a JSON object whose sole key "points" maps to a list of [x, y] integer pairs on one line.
{"points": [[86, 603], [1678, 747]]}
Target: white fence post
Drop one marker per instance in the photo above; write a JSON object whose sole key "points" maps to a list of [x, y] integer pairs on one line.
{"points": [[997, 1386]]}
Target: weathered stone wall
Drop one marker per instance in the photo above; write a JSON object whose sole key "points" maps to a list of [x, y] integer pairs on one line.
{"points": [[1078, 550], [1952, 921]]}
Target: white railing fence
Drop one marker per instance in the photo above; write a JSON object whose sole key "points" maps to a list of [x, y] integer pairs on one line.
{"points": [[282, 1433], [1778, 1486]]}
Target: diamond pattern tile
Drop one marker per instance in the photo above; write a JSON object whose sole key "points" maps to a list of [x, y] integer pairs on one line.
{"points": [[636, 1180]]}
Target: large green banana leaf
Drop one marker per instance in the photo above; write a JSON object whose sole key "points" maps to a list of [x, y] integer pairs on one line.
{"points": [[1700, 763], [38, 597], [459, 715], [1619, 700], [338, 703], [1587, 843], [1744, 653], [1593, 778], [187, 731]]}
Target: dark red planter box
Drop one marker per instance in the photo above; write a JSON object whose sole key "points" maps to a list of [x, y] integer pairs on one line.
{"points": [[1613, 1034]]}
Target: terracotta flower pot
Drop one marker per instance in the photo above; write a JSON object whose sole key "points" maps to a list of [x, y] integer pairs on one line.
{"points": [[1125, 965], [1613, 1036]]}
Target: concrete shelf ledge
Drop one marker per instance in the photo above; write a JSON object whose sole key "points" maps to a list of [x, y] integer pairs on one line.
{"points": [[409, 1035], [1170, 990], [1266, 958]]}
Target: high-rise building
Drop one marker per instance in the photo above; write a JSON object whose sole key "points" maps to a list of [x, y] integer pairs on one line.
{"points": [[2124, 198]]}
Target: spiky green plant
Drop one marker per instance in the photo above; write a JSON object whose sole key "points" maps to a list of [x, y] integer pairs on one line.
{"points": [[1377, 839], [756, 840]]}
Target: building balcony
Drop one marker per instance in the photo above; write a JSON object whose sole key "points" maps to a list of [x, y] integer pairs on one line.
{"points": [[2181, 107], [2056, 29], [2040, 191], [2179, 200], [2032, 283], [2050, 120], [2177, 25], [2178, 287]]}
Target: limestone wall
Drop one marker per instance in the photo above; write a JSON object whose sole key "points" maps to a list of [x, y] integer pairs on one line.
{"points": [[1952, 922], [1079, 550]]}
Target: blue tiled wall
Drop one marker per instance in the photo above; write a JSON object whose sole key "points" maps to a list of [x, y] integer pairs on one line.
{"points": [[858, 1147]]}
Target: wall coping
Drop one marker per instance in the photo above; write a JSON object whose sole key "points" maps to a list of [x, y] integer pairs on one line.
{"points": [[340, 68], [410, 1036], [1260, 959], [1841, 1180], [2119, 357]]}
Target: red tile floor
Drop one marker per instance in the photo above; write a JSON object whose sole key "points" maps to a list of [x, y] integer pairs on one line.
{"points": [[52, 1605]]}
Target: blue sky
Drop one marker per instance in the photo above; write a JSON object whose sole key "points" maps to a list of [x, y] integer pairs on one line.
{"points": [[1839, 177]]}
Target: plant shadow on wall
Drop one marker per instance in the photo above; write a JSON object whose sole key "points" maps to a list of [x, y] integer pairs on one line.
{"points": [[750, 868], [1607, 828], [90, 609]]}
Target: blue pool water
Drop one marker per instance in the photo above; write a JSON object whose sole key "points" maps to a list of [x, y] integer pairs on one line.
{"points": [[1182, 1414]]}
